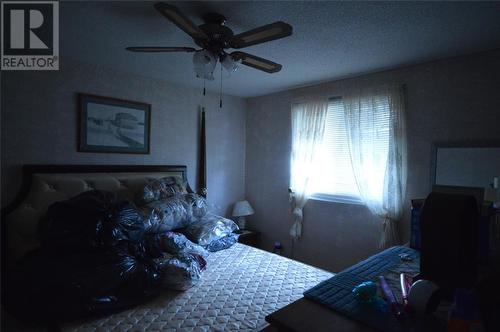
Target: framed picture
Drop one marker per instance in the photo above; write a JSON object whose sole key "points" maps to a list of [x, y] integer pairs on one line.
{"points": [[113, 125]]}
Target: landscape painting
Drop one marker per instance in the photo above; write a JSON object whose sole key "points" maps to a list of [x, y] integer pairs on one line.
{"points": [[113, 125]]}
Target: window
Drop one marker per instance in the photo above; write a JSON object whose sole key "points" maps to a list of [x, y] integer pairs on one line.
{"points": [[336, 181], [351, 149]]}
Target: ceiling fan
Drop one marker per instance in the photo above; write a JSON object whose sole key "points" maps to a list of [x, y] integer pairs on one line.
{"points": [[214, 37]]}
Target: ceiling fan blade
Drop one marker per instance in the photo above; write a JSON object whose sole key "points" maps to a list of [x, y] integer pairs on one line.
{"points": [[256, 62], [159, 49], [174, 15], [262, 34]]}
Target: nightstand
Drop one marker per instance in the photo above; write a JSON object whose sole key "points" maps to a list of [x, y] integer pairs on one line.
{"points": [[248, 237]]}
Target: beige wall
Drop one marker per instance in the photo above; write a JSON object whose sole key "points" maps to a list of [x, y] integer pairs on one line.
{"points": [[449, 100]]}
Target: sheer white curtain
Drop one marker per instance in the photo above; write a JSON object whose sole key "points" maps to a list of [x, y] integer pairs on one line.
{"points": [[308, 128], [377, 145]]}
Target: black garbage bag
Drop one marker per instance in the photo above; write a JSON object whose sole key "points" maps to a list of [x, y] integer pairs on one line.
{"points": [[45, 287], [93, 219], [93, 259]]}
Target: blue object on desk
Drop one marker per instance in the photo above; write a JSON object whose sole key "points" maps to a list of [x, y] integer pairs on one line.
{"points": [[365, 291]]}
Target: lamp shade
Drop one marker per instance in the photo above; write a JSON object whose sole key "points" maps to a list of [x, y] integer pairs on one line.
{"points": [[242, 208]]}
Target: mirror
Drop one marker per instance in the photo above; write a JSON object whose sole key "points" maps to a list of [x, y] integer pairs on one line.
{"points": [[466, 165]]}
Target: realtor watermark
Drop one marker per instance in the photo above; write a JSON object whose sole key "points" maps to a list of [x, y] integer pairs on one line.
{"points": [[30, 35]]}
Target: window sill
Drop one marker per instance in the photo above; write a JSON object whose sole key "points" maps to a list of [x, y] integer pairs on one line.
{"points": [[337, 199]]}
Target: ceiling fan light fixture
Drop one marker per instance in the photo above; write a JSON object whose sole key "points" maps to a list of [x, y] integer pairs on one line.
{"points": [[204, 64], [229, 64]]}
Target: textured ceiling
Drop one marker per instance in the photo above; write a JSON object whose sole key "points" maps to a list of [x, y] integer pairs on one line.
{"points": [[331, 40]]}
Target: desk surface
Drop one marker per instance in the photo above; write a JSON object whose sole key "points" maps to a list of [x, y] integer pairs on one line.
{"points": [[306, 315]]}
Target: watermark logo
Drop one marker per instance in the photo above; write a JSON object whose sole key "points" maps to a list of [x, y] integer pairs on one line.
{"points": [[30, 35]]}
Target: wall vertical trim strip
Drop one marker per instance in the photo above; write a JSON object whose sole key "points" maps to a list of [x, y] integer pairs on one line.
{"points": [[202, 161]]}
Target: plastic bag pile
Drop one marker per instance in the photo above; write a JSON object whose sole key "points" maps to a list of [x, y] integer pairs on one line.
{"points": [[100, 254]]}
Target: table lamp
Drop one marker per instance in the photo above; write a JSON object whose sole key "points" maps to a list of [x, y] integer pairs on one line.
{"points": [[242, 209]]}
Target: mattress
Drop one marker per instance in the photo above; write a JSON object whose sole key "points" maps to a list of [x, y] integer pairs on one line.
{"points": [[240, 286]]}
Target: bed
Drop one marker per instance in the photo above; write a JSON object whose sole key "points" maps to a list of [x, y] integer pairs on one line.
{"points": [[240, 287]]}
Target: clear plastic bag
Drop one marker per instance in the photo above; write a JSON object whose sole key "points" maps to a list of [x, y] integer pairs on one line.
{"points": [[199, 206], [161, 189], [209, 228], [173, 243], [183, 271], [222, 243], [174, 212], [167, 214]]}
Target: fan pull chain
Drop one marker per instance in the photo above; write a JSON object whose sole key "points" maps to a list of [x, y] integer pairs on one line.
{"points": [[220, 92]]}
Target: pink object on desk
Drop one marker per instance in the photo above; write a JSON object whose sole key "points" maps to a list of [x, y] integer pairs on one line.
{"points": [[390, 298], [406, 282]]}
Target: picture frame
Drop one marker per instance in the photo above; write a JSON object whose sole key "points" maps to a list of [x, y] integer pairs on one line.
{"points": [[111, 125]]}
